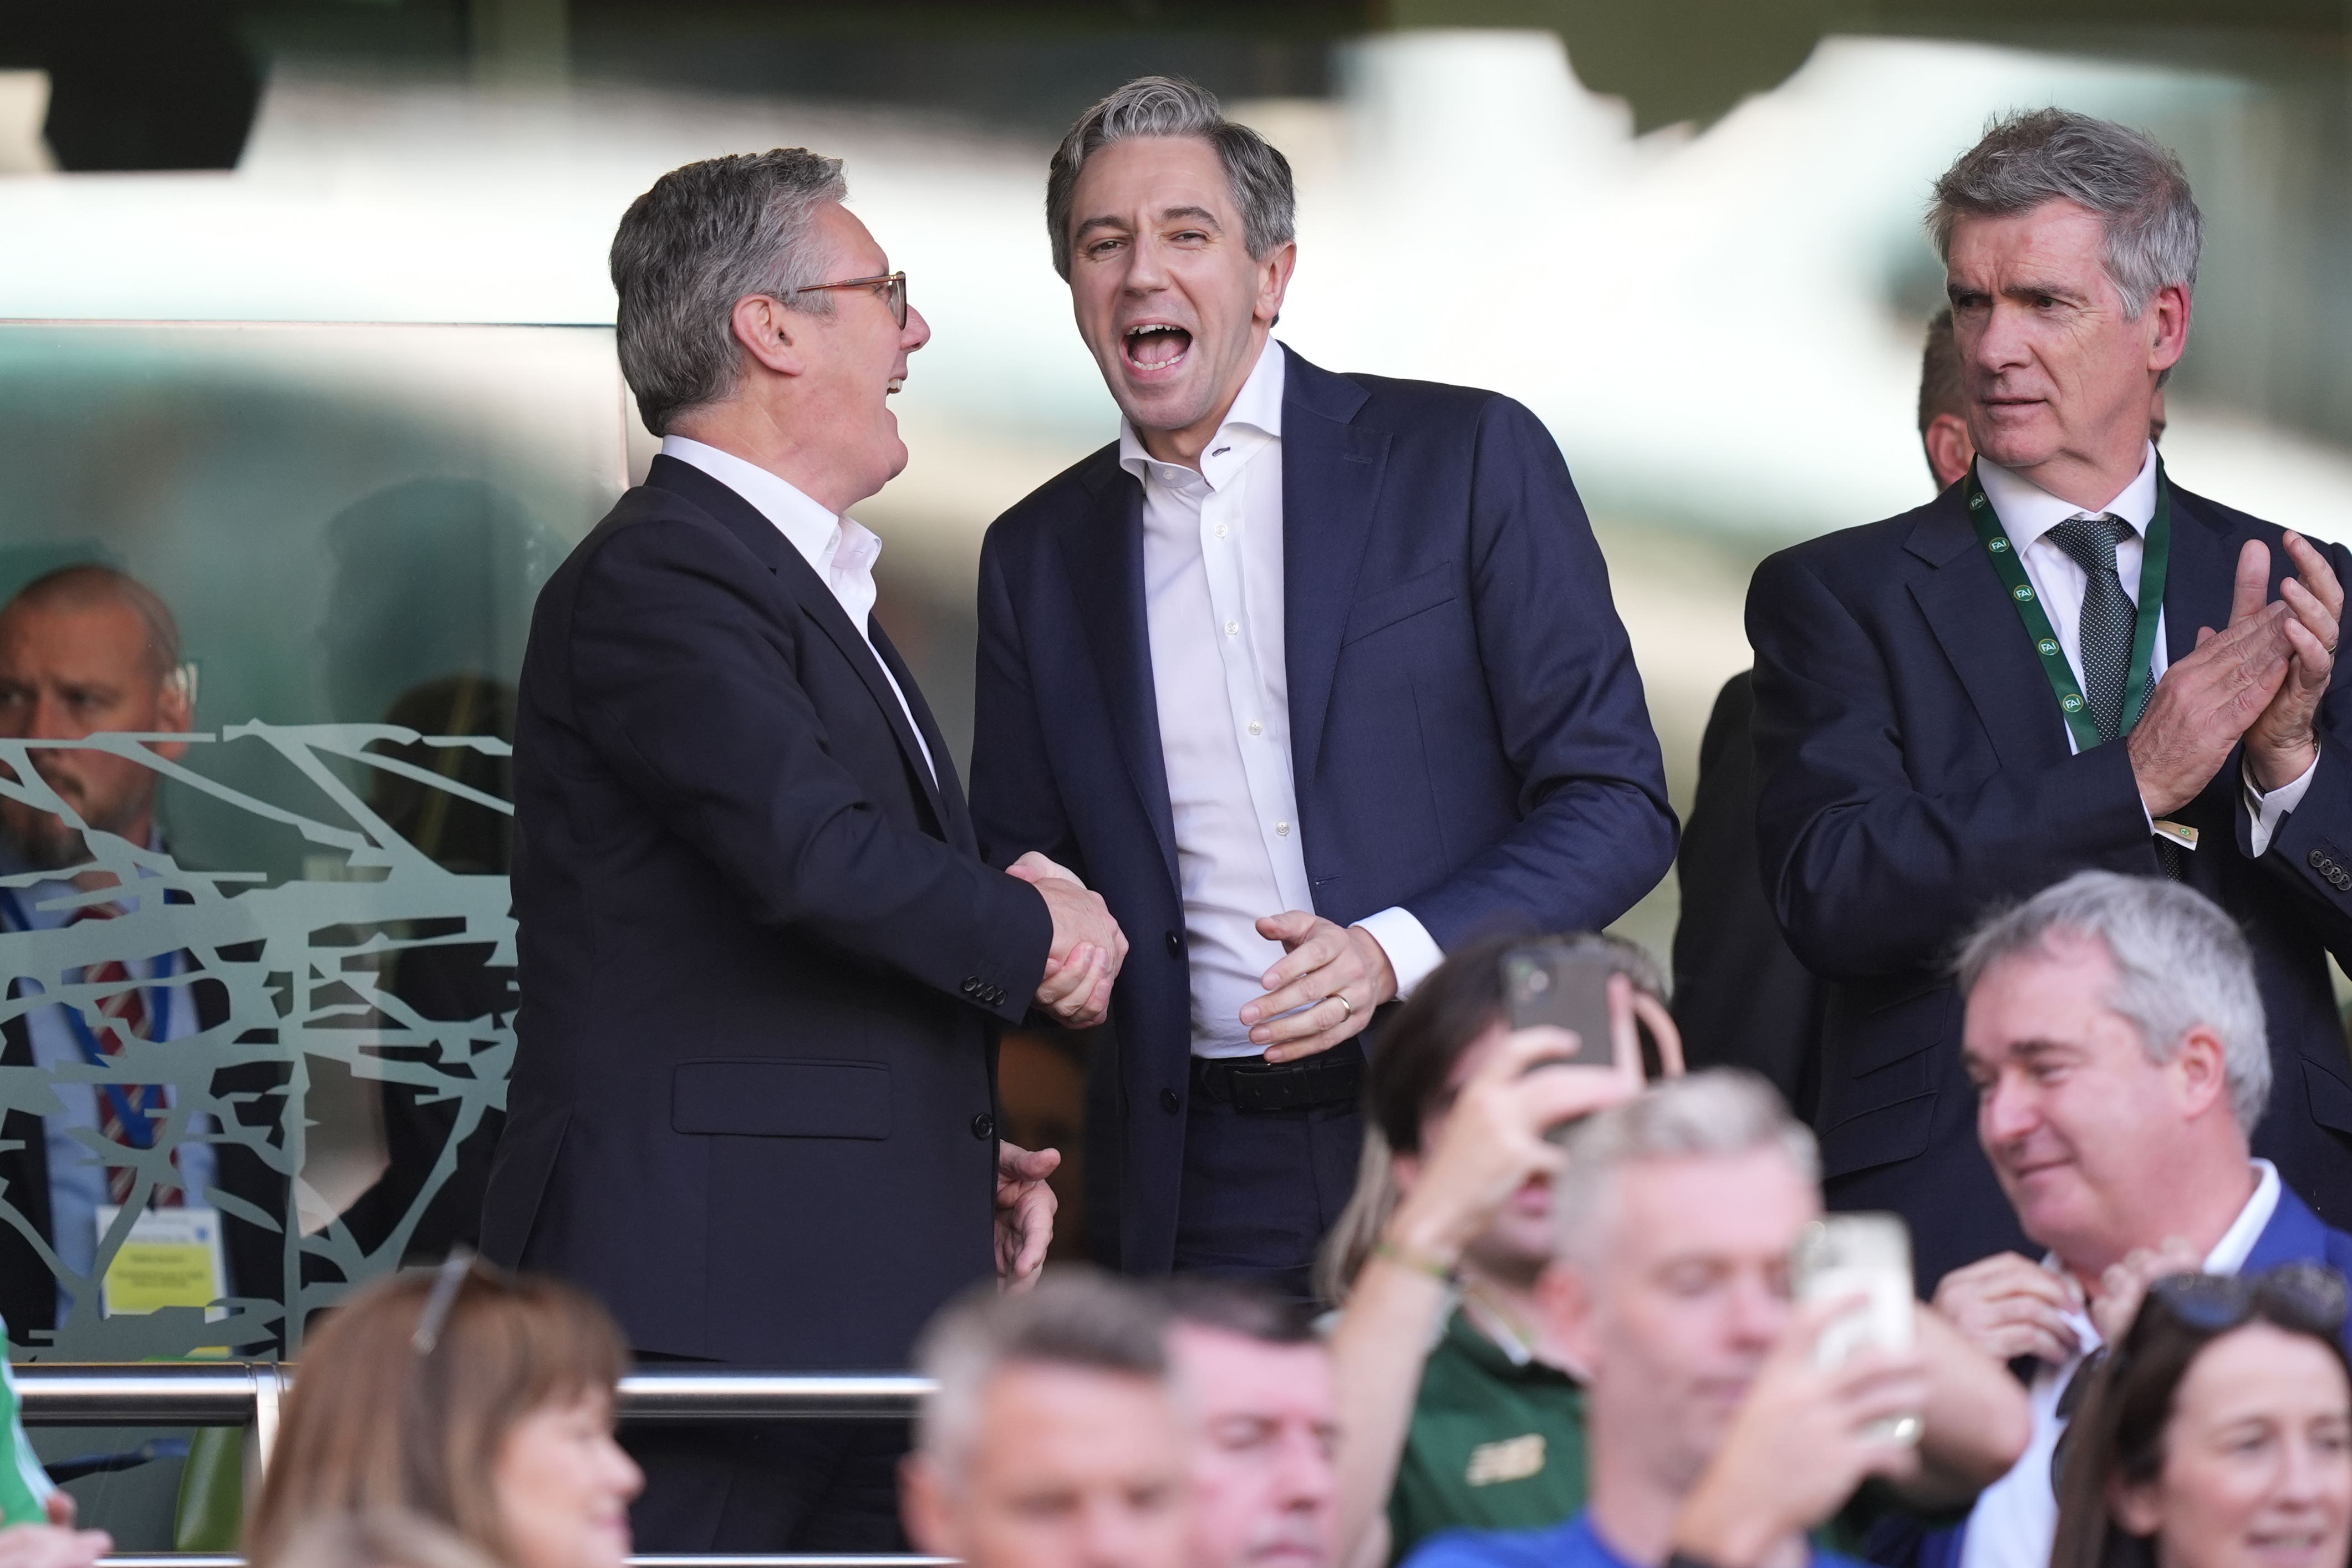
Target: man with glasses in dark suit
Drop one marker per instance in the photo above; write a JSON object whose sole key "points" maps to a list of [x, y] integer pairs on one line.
{"points": [[761, 961]]}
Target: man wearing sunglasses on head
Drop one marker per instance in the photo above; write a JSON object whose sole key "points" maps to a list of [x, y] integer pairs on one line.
{"points": [[1314, 677], [762, 961], [2115, 1037]]}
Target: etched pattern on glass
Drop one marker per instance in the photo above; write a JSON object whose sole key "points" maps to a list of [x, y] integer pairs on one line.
{"points": [[303, 963]]}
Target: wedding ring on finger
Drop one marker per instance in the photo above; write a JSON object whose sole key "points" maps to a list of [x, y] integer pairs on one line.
{"points": [[1342, 998]]}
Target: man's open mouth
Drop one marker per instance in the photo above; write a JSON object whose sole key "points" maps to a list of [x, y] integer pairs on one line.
{"points": [[1156, 345]]}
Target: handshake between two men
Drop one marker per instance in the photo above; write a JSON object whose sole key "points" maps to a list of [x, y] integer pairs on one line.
{"points": [[1321, 992]]}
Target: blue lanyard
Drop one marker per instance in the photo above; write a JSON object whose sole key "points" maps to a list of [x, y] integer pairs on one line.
{"points": [[138, 1127]]}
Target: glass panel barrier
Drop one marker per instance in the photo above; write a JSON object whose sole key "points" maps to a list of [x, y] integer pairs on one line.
{"points": [[256, 986]]}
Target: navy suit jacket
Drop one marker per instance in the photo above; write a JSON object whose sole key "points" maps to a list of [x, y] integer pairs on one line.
{"points": [[752, 1098], [1914, 773], [1468, 735]]}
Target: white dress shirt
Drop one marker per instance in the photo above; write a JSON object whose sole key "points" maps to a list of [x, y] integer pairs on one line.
{"points": [[2028, 513], [2015, 1521], [840, 550], [1212, 601]]}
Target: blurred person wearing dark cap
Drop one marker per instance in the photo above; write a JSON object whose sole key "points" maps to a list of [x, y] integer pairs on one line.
{"points": [[89, 650], [1314, 676], [1055, 1436], [762, 961], [1258, 1386], [1960, 705]]}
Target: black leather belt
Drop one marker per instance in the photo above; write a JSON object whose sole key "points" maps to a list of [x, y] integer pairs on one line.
{"points": [[1334, 1076]]}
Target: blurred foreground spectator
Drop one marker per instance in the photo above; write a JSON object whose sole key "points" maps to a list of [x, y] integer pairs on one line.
{"points": [[1715, 1432], [1460, 1409], [2219, 1433], [480, 1401], [379, 1538], [1055, 1440], [2114, 1036], [1257, 1384]]}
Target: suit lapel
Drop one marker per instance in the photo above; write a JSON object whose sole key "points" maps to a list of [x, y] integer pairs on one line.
{"points": [[1331, 474], [2200, 577], [1979, 629], [806, 589], [1102, 547]]}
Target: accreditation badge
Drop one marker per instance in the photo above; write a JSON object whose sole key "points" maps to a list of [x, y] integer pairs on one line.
{"points": [[173, 1258]]}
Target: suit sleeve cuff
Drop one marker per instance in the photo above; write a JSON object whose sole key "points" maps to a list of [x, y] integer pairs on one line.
{"points": [[2265, 812], [1411, 952]]}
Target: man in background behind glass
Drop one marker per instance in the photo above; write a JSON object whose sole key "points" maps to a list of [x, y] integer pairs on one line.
{"points": [[87, 650]]}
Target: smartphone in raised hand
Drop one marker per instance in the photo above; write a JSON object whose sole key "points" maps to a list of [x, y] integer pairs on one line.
{"points": [[1864, 1255], [1550, 985]]}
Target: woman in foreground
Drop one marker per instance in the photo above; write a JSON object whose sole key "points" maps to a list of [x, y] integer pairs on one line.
{"points": [[478, 1401], [2220, 1433]]}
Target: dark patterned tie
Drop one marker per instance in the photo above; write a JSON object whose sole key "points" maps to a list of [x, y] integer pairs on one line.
{"points": [[2104, 635]]}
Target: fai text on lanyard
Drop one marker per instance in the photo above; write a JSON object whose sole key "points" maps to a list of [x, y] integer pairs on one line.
{"points": [[2152, 561], [138, 1127]]}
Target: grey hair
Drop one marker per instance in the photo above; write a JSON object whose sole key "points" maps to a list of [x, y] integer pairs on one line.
{"points": [[2135, 184], [2179, 963], [1074, 1318], [706, 236], [1720, 1114], [1169, 106]]}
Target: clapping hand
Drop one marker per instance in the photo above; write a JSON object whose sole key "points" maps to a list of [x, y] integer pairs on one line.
{"points": [[2284, 742]]}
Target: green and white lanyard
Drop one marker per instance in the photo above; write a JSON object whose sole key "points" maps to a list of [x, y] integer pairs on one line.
{"points": [[2154, 558]]}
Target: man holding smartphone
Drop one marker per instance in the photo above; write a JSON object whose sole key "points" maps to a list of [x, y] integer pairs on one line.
{"points": [[1717, 1434]]}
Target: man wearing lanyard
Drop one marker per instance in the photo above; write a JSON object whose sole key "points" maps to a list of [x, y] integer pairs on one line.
{"points": [[86, 650], [2063, 662]]}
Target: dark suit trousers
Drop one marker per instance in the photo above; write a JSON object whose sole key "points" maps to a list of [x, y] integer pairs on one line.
{"points": [[823, 1488], [1262, 1189]]}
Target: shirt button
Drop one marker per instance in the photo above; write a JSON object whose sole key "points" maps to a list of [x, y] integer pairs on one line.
{"points": [[1256, 728], [1282, 830], [1233, 628], [1220, 531]]}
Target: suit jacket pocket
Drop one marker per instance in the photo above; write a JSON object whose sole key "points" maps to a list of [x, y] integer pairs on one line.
{"points": [[1400, 601], [754, 1098]]}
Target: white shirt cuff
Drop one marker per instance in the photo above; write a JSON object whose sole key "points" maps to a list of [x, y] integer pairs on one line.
{"points": [[1411, 950], [2265, 809]]}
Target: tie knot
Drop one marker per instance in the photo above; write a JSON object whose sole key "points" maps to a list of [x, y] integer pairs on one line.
{"points": [[2092, 540]]}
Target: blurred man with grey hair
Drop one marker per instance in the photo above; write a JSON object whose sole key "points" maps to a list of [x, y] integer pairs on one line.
{"points": [[763, 963], [1313, 676], [1715, 1434], [1054, 1438], [2063, 662], [2115, 1036]]}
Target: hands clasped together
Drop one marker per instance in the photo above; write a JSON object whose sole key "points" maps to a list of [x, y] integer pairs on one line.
{"points": [[2260, 680]]}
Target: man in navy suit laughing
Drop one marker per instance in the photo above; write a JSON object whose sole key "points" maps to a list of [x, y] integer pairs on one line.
{"points": [[1311, 675]]}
